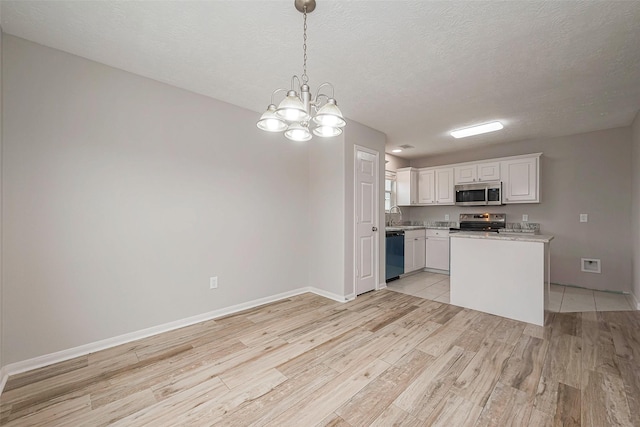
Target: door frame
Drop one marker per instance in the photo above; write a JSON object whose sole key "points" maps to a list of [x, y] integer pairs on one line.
{"points": [[376, 239]]}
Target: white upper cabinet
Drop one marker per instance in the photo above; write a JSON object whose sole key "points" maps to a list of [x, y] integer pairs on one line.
{"points": [[477, 172], [435, 186], [445, 194], [465, 174], [407, 186], [489, 171], [520, 180], [426, 187], [422, 187], [520, 176]]}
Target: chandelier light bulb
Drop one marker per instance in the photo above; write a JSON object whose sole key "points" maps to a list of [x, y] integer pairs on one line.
{"points": [[297, 132], [327, 131], [270, 122], [292, 109], [330, 115]]}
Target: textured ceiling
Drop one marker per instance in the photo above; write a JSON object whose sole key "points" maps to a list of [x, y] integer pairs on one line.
{"points": [[411, 69]]}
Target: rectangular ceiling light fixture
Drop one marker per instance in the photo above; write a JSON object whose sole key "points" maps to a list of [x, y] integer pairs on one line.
{"points": [[476, 130]]}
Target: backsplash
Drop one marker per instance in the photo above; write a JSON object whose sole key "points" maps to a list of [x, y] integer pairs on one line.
{"points": [[522, 227], [510, 227]]}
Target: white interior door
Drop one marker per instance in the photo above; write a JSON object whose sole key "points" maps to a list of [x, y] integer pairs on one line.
{"points": [[366, 210]]}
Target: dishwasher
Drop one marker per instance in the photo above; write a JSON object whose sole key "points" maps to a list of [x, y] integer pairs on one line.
{"points": [[394, 255]]}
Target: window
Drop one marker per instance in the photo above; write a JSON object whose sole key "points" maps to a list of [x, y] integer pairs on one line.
{"points": [[389, 190]]}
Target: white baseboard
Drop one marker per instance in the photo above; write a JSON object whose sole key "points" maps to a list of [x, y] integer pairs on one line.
{"points": [[382, 285], [4, 376], [330, 295], [61, 356], [435, 270], [636, 301]]}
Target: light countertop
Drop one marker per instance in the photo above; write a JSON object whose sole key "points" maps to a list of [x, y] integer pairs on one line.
{"points": [[518, 237], [415, 227]]}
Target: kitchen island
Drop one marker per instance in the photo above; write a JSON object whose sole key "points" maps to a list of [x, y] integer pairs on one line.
{"points": [[506, 274]]}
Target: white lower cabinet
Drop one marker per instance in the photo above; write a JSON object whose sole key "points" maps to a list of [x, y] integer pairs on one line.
{"points": [[437, 249], [414, 250]]}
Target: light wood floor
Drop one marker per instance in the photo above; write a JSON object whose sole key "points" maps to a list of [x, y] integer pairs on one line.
{"points": [[384, 359]]}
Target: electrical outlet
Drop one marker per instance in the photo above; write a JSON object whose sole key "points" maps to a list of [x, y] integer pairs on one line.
{"points": [[584, 218], [525, 217], [213, 282], [446, 217]]}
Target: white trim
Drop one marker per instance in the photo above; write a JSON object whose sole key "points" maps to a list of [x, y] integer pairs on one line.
{"points": [[63, 355], [636, 301], [330, 295], [382, 285], [437, 271]]}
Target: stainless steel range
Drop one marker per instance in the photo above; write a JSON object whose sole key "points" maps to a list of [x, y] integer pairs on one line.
{"points": [[483, 222]]}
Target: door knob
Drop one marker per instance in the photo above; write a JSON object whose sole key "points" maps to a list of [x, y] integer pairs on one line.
{"points": [[374, 228]]}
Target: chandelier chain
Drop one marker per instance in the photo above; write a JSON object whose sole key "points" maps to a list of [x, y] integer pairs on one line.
{"points": [[305, 78]]}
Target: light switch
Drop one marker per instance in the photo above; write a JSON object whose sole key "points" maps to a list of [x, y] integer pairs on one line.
{"points": [[446, 217], [584, 218], [525, 217]]}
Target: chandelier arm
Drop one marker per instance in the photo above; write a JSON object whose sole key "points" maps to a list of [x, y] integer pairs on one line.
{"points": [[320, 87], [316, 102], [293, 78]]}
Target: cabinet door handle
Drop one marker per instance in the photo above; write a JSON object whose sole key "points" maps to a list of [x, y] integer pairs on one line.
{"points": [[374, 228]]}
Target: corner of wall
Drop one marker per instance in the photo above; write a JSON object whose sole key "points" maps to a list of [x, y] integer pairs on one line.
{"points": [[2, 323], [635, 208], [393, 163]]}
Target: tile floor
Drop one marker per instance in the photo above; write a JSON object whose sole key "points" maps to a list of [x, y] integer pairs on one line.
{"points": [[563, 299]]}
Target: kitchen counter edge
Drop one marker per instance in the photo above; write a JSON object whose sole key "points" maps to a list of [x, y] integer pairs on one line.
{"points": [[517, 237], [415, 227]]}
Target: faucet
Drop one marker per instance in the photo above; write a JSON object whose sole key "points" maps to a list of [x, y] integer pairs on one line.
{"points": [[398, 210], [396, 207]]}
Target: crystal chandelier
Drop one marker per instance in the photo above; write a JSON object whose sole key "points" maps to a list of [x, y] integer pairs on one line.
{"points": [[296, 111]]}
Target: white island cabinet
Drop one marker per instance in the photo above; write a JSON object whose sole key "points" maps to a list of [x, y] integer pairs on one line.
{"points": [[502, 274]]}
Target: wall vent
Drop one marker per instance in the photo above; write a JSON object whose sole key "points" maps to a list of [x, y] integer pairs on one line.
{"points": [[590, 265]]}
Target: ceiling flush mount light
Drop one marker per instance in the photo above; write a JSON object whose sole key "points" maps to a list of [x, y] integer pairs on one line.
{"points": [[476, 130], [298, 110], [397, 150]]}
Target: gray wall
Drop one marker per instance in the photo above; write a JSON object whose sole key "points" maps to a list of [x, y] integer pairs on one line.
{"points": [[587, 173], [122, 196], [326, 220], [2, 323], [635, 212], [394, 163]]}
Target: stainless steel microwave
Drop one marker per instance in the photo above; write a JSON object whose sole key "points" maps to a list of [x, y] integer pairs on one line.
{"points": [[479, 194]]}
